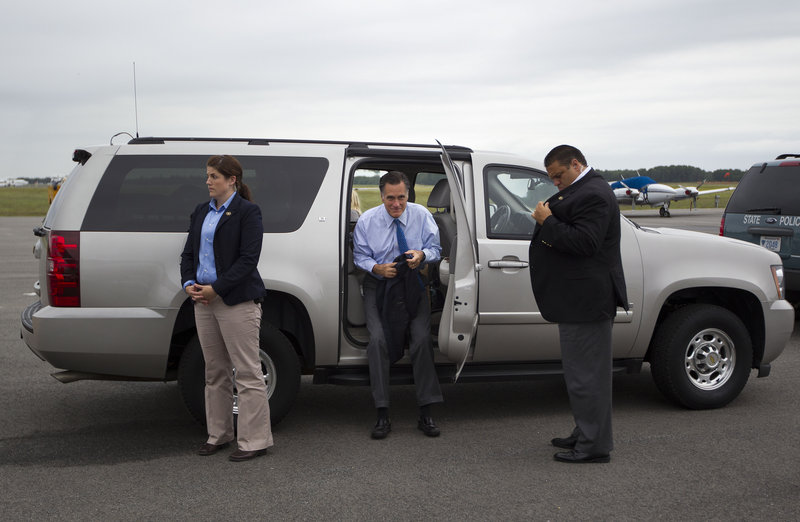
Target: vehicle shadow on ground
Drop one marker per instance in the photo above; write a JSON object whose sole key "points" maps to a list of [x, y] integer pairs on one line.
{"points": [[334, 408], [137, 422], [147, 421]]}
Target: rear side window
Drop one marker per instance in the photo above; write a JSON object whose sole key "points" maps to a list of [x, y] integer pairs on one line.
{"points": [[776, 190], [158, 193]]}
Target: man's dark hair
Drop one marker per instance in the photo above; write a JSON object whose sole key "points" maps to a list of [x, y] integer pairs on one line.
{"points": [[394, 177], [564, 154]]}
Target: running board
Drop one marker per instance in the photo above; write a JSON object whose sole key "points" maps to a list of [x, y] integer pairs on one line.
{"points": [[359, 376], [69, 376]]}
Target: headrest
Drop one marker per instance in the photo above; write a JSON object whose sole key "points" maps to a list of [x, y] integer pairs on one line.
{"points": [[440, 195]]}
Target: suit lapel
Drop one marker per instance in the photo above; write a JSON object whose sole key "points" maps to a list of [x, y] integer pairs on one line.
{"points": [[230, 211]]}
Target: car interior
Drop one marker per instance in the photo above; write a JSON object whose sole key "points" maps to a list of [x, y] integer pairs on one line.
{"points": [[428, 187]]}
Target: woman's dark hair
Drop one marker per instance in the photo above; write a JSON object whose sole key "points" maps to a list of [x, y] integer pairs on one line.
{"points": [[229, 166]]}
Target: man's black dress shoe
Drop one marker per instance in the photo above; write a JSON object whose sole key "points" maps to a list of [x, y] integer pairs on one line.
{"points": [[209, 449], [241, 455], [566, 443], [428, 427], [381, 429], [577, 457]]}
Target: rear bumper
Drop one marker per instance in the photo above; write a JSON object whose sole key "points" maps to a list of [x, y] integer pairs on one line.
{"points": [[124, 342], [26, 328]]}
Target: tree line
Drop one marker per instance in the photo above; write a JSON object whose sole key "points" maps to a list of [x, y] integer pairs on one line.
{"points": [[664, 174], [676, 173]]}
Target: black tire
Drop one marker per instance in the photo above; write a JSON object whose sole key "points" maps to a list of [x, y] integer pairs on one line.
{"points": [[701, 356], [191, 379], [278, 360]]}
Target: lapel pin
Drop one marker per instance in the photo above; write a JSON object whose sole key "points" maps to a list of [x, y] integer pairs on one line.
{"points": [[228, 213]]}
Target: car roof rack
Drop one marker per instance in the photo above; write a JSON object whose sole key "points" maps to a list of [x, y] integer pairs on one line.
{"points": [[784, 156], [154, 140]]}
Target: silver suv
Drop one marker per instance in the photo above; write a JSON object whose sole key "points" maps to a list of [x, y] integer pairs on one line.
{"points": [[704, 310]]}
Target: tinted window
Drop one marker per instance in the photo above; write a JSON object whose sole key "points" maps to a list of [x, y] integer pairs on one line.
{"points": [[512, 194], [775, 190], [158, 193]]}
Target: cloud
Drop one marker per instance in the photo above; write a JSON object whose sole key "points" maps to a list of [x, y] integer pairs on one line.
{"points": [[634, 84]]}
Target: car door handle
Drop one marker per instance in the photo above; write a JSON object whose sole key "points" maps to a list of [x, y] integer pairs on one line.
{"points": [[505, 263]]}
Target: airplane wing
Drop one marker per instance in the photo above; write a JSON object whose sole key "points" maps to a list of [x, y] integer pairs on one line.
{"points": [[726, 189], [692, 192]]}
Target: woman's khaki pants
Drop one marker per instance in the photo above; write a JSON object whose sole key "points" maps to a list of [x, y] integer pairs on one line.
{"points": [[229, 338]]}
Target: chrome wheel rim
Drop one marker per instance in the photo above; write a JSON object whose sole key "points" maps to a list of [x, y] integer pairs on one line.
{"points": [[270, 379], [710, 359]]}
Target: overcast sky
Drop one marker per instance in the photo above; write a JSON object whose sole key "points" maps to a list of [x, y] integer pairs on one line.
{"points": [[633, 83]]}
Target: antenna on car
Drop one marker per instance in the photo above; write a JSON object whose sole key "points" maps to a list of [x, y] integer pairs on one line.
{"points": [[135, 101]]}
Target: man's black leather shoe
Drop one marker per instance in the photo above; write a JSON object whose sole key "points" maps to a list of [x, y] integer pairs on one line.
{"points": [[566, 442], [209, 449], [241, 455], [577, 457], [381, 429], [428, 427]]}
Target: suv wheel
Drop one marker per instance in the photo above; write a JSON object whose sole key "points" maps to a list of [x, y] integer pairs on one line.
{"points": [[278, 362], [701, 356]]}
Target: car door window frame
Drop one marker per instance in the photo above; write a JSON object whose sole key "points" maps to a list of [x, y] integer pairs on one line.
{"points": [[520, 222]]}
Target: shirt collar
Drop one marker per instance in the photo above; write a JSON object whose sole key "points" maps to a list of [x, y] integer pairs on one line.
{"points": [[389, 220], [225, 205], [582, 174]]}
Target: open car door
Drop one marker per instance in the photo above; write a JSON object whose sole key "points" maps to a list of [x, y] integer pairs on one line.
{"points": [[460, 314]]}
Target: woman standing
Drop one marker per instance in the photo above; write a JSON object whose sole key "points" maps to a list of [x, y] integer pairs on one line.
{"points": [[218, 271]]}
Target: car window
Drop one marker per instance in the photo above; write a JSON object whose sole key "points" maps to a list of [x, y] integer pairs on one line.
{"points": [[774, 190], [366, 187], [423, 185], [158, 193], [512, 194]]}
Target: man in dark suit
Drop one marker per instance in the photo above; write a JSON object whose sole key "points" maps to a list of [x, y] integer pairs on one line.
{"points": [[578, 282]]}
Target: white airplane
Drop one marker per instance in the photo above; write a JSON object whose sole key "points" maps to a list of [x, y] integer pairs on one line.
{"points": [[643, 190], [11, 182]]}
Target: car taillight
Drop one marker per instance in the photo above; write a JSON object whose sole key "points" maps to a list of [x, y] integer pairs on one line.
{"points": [[722, 225], [63, 269]]}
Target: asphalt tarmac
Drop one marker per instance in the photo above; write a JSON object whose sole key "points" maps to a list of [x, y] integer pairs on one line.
{"points": [[126, 451], [699, 220]]}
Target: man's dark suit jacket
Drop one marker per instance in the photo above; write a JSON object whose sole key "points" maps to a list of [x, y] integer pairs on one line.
{"points": [[575, 262], [237, 247], [398, 299]]}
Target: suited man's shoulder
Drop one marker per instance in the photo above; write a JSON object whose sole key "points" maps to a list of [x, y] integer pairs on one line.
{"points": [[594, 182]]}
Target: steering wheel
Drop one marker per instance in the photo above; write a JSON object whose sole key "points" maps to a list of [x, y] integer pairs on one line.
{"points": [[500, 218]]}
